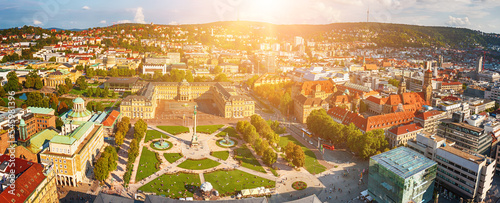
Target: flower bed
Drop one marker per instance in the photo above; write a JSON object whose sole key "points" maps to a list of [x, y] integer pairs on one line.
{"points": [[299, 185]]}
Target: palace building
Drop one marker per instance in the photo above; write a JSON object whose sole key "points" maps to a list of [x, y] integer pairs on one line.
{"points": [[228, 102], [57, 77]]}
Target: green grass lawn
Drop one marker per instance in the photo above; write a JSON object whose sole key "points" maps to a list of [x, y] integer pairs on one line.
{"points": [[146, 164], [230, 131], [247, 159], [174, 185], [208, 129], [221, 154], [311, 164], [172, 157], [198, 164], [274, 172], [174, 130], [78, 92], [230, 182], [154, 134]]}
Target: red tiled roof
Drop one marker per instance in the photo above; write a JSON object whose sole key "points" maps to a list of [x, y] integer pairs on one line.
{"points": [[427, 114], [405, 129], [451, 83], [30, 175], [373, 122], [326, 85], [309, 101], [340, 99], [376, 100], [111, 118]]}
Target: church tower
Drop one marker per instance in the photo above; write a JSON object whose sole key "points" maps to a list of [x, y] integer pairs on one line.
{"points": [[402, 85], [427, 87]]}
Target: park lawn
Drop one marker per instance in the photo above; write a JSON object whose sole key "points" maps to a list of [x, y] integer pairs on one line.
{"points": [[231, 182], [221, 154], [208, 129], [174, 130], [146, 164], [311, 163], [154, 134], [247, 159], [172, 157], [230, 131], [198, 164], [176, 183], [78, 92]]}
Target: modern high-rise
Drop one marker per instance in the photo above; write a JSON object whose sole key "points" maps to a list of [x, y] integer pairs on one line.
{"points": [[401, 175]]}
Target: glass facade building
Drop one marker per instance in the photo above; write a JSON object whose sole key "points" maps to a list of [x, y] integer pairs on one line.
{"points": [[401, 175]]}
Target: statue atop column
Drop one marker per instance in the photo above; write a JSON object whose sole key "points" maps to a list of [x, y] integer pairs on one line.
{"points": [[194, 139]]}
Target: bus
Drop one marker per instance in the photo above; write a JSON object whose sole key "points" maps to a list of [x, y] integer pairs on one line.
{"points": [[305, 132]]}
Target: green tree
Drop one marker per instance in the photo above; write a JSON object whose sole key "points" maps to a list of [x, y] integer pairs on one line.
{"points": [[119, 137], [289, 149], [2, 103], [81, 83], [112, 158], [2, 92], [69, 84], [101, 168], [12, 82], [299, 157], [90, 72], [38, 83], [221, 78], [286, 103], [270, 157], [217, 70], [52, 59], [59, 123]]}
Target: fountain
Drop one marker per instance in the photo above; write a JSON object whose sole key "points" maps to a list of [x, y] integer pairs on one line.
{"points": [[161, 144], [226, 142]]}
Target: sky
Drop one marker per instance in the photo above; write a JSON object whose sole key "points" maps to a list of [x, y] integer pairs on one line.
{"points": [[481, 15]]}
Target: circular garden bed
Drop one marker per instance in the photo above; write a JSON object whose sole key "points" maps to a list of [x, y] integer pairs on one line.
{"points": [[152, 145], [299, 185]]}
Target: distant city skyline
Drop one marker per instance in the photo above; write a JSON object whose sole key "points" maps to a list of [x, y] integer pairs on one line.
{"points": [[66, 14]]}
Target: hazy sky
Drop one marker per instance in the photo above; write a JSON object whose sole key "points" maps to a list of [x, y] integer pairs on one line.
{"points": [[475, 14]]}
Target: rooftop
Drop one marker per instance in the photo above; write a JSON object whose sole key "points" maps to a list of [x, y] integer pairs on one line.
{"points": [[41, 140], [405, 129], [463, 154], [74, 136], [29, 176], [463, 125], [40, 110], [403, 161]]}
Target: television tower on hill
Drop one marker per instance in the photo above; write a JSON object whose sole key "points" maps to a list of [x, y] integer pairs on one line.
{"points": [[368, 15]]}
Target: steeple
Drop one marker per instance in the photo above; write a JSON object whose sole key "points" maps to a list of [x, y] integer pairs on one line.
{"points": [[427, 87], [402, 84]]}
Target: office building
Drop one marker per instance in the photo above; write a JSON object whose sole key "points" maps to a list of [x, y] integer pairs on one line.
{"points": [[464, 135], [73, 155], [460, 172], [401, 175]]}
